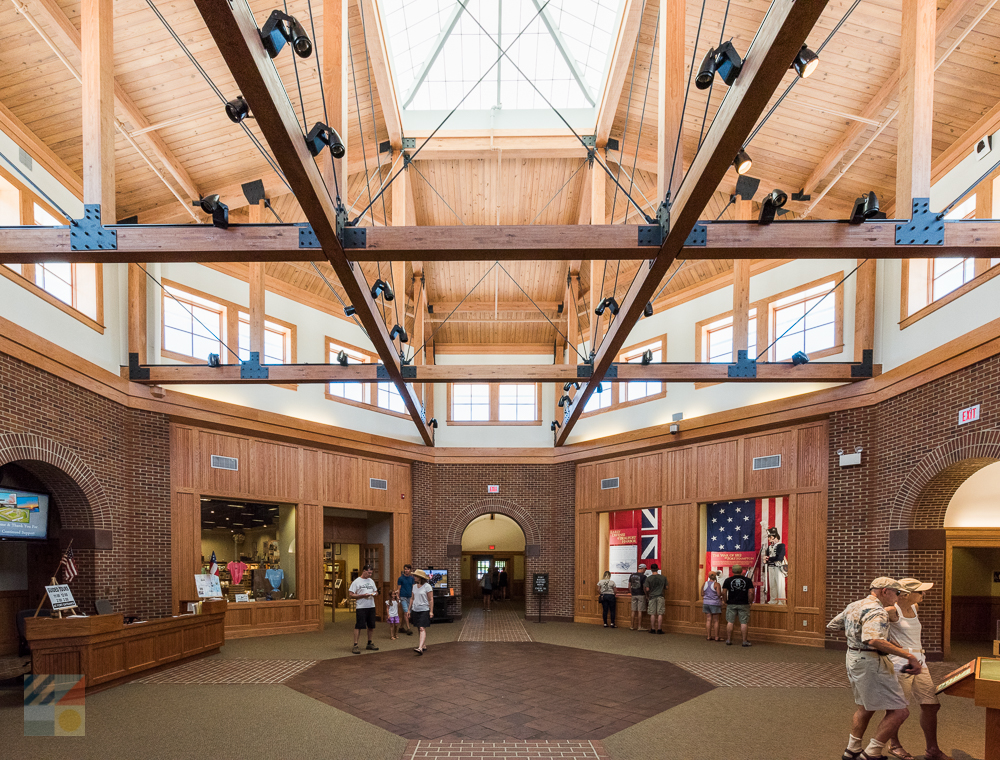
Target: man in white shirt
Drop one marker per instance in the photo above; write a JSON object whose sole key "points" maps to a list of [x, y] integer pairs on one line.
{"points": [[363, 590]]}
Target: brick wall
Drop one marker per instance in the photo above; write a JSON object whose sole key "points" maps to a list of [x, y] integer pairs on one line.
{"points": [[540, 498], [915, 458], [107, 467]]}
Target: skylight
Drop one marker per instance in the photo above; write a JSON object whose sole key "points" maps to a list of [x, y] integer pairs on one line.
{"points": [[441, 48]]}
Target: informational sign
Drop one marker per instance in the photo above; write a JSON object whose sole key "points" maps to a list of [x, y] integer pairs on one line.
{"points": [[623, 559], [955, 676], [969, 414], [540, 583], [207, 585], [492, 489], [60, 597], [243, 597]]}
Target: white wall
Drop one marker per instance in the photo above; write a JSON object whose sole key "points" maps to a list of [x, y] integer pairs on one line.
{"points": [[976, 503]]}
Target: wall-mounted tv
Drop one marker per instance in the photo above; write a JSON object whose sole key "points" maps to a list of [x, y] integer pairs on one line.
{"points": [[23, 515], [438, 578]]}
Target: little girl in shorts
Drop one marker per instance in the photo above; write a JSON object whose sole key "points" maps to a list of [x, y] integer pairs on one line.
{"points": [[392, 614]]}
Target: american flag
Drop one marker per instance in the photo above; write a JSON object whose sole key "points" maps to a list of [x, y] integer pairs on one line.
{"points": [[737, 530], [67, 566], [213, 567]]}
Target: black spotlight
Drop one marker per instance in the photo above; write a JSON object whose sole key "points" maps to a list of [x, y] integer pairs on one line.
{"points": [[724, 61], [865, 207], [607, 303], [433, 423], [399, 332], [555, 424], [564, 400], [342, 358], [647, 310], [350, 311], [321, 135], [799, 357], [381, 288], [571, 384], [281, 28], [600, 388], [211, 204], [742, 163], [237, 110], [805, 62], [770, 205], [647, 356], [213, 360]]}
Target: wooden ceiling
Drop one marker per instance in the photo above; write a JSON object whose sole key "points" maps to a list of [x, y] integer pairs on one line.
{"points": [[154, 73]]}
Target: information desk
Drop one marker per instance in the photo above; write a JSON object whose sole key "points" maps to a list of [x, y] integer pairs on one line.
{"points": [[108, 652], [980, 680]]}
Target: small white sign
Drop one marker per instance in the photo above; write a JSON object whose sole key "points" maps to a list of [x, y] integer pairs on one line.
{"points": [[492, 489], [969, 414], [60, 597], [243, 597], [207, 585]]}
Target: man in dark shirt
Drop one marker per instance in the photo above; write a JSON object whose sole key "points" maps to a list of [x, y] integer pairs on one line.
{"points": [[656, 584], [637, 587], [736, 591], [404, 585], [503, 583]]}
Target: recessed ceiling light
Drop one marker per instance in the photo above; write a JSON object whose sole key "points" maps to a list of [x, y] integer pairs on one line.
{"points": [[212, 511]]}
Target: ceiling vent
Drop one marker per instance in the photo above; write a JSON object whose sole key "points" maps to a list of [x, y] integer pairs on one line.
{"points": [[225, 463], [609, 483], [378, 484], [767, 463]]}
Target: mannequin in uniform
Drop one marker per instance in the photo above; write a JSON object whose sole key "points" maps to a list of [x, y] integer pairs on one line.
{"points": [[776, 567]]}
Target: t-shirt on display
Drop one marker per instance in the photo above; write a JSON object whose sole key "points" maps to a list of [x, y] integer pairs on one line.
{"points": [[422, 596], [275, 576], [364, 586], [739, 587], [236, 570]]}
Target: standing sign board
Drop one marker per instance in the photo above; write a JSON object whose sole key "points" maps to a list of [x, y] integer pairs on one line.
{"points": [[60, 597], [208, 585], [540, 585]]}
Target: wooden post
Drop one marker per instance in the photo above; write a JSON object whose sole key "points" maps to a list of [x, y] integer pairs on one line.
{"points": [[741, 289], [985, 209], [137, 312], [598, 215], [335, 85], [97, 20], [916, 104], [419, 323], [672, 67], [864, 309], [257, 296]]}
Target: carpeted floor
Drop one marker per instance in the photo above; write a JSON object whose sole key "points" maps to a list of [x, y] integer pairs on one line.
{"points": [[239, 704]]}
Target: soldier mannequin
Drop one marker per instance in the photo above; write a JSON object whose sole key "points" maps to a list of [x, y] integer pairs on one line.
{"points": [[776, 567]]}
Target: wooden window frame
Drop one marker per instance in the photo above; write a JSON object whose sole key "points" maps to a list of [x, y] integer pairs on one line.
{"points": [[617, 391], [372, 388], [291, 354], [986, 270], [494, 419], [26, 277]]}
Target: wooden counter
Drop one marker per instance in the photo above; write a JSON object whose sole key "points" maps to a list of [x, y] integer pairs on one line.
{"points": [[108, 652], [982, 685]]}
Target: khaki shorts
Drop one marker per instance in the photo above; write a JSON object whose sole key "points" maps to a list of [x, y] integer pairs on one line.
{"points": [[874, 681], [638, 604], [919, 687], [657, 605], [741, 611]]}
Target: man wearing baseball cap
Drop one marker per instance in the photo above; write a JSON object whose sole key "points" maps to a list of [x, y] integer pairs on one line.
{"points": [[904, 626], [637, 586], [871, 673]]}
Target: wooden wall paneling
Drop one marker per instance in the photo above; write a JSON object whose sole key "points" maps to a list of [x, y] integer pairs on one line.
{"points": [[718, 469], [612, 498], [679, 477], [312, 474], [402, 497], [373, 497], [309, 552], [680, 561], [11, 602], [402, 543], [769, 618], [646, 479], [214, 481], [185, 546], [343, 480], [587, 570], [812, 455], [774, 480], [806, 545], [586, 487], [274, 470], [183, 446]]}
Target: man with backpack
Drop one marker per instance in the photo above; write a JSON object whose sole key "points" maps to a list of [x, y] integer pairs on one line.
{"points": [[637, 587]]}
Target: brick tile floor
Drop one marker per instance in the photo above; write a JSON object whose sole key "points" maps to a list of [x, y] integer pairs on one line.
{"points": [[500, 691], [529, 750], [230, 671], [754, 675], [503, 623]]}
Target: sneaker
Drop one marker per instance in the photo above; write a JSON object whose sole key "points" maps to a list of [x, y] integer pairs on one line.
{"points": [[651, 630], [605, 625], [356, 650], [659, 630], [409, 632], [371, 647], [728, 643], [746, 643]]}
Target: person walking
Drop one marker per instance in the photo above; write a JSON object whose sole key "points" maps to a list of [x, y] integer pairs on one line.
{"points": [[904, 627], [871, 673], [711, 605], [392, 615], [504, 581], [736, 591], [363, 591], [606, 594], [637, 587], [423, 608], [656, 603], [496, 583], [404, 586], [487, 583]]}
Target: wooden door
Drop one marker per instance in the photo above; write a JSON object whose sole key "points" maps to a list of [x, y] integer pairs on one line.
{"points": [[481, 563], [340, 573], [374, 554]]}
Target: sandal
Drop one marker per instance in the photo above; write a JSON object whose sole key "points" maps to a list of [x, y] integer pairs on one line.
{"points": [[939, 755], [899, 752]]}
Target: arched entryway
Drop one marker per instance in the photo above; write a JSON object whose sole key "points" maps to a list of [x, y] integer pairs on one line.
{"points": [[493, 544]]}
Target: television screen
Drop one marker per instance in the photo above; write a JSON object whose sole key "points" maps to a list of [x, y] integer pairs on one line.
{"points": [[23, 514], [438, 578]]}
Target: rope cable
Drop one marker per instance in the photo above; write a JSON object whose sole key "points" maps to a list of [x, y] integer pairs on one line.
{"points": [[298, 84], [378, 154], [445, 321], [582, 164], [439, 194], [642, 118], [628, 105]]}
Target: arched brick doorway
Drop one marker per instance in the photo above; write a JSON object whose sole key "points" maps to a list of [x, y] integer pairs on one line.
{"points": [[508, 508], [79, 509]]}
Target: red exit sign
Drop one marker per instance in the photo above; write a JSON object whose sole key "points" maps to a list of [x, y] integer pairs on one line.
{"points": [[969, 414], [492, 489]]}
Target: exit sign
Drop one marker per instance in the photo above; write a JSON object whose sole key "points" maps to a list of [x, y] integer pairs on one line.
{"points": [[969, 414], [492, 489], [493, 546]]}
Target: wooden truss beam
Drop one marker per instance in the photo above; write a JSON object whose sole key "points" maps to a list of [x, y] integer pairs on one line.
{"points": [[229, 374], [781, 35], [238, 38]]}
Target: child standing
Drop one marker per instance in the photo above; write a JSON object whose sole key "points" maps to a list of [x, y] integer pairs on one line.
{"points": [[392, 613]]}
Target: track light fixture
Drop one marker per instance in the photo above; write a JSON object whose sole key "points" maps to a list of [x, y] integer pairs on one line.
{"points": [[321, 135], [381, 288], [865, 207], [281, 28], [805, 62], [742, 163], [600, 388], [399, 332], [565, 400], [799, 357], [237, 109], [647, 356], [647, 310], [555, 424], [770, 205], [608, 302], [211, 204], [342, 358], [571, 384], [213, 360], [724, 61], [350, 311], [433, 423]]}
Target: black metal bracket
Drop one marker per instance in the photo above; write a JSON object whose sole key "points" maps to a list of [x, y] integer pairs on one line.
{"points": [[307, 238], [801, 196], [354, 237], [251, 369], [385, 147], [135, 370], [865, 367], [698, 237], [744, 367], [925, 227], [612, 144], [382, 373], [407, 160], [88, 234], [590, 141], [650, 235], [409, 372], [586, 371]]}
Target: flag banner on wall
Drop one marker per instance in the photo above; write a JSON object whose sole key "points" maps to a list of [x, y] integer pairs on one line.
{"points": [[749, 533], [634, 537]]}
